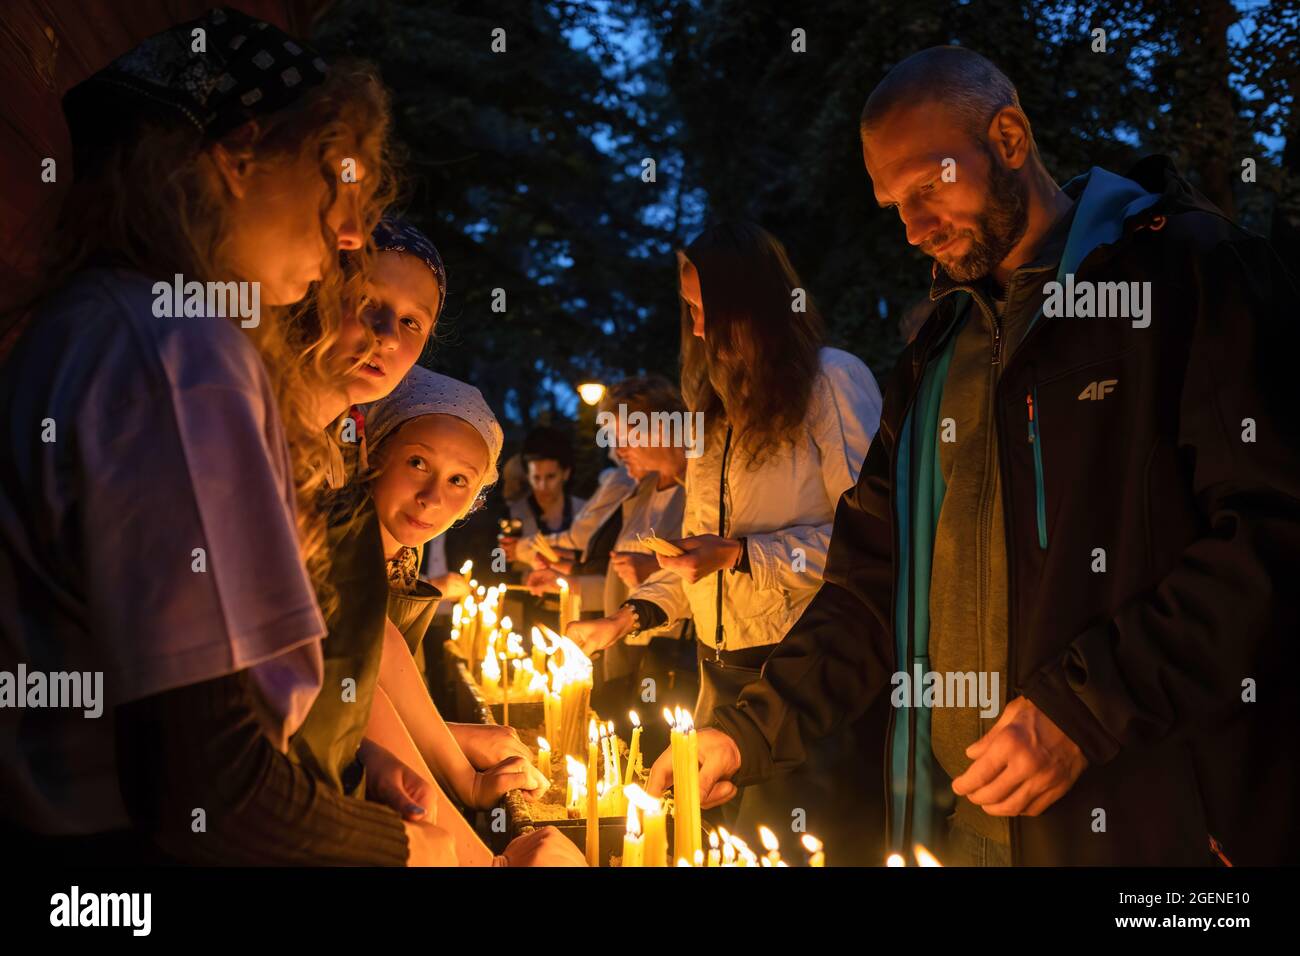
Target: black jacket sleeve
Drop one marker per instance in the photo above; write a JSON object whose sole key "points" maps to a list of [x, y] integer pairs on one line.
{"points": [[838, 656], [1173, 661], [200, 748]]}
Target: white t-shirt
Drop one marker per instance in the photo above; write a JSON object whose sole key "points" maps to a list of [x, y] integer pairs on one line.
{"points": [[153, 540]]}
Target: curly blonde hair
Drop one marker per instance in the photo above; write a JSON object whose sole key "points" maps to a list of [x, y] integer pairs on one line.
{"points": [[155, 205]]}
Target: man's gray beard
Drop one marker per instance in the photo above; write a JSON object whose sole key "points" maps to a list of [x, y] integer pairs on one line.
{"points": [[999, 227]]}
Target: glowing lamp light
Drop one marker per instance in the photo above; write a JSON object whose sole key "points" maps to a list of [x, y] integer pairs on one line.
{"points": [[591, 392]]}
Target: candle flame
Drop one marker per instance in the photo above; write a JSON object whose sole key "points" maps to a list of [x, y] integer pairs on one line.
{"points": [[562, 584], [591, 731], [542, 744], [769, 839], [505, 623], [681, 861], [668, 716], [713, 839], [467, 567], [924, 857], [811, 843], [895, 859], [633, 821], [699, 857], [636, 721], [642, 800]]}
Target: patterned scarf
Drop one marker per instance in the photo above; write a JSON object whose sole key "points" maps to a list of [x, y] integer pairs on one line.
{"points": [[404, 570]]}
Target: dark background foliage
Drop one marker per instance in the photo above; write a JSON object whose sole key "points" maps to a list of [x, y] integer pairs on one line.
{"points": [[526, 166]]}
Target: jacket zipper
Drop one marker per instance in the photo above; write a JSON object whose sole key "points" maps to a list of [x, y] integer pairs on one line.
{"points": [[1035, 439], [722, 531]]}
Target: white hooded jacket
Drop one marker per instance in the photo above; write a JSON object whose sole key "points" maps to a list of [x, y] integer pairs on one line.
{"points": [[784, 508]]}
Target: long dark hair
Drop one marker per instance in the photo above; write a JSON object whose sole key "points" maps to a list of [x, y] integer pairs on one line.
{"points": [[755, 367]]}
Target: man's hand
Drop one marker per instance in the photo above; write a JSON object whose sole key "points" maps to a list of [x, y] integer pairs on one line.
{"points": [[546, 846], [394, 784], [633, 567], [486, 745], [1022, 766], [719, 762], [596, 635], [705, 555]]}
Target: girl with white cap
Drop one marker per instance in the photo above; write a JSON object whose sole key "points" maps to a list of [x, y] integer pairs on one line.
{"points": [[434, 450]]}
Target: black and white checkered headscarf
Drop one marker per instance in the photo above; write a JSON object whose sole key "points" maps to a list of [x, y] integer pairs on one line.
{"points": [[247, 68]]}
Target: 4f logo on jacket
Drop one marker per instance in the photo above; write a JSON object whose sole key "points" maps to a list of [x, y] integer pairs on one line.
{"points": [[1096, 391]]}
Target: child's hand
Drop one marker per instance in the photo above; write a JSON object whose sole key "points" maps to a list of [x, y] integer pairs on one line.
{"points": [[546, 846], [453, 586], [394, 784], [486, 745], [492, 784]]}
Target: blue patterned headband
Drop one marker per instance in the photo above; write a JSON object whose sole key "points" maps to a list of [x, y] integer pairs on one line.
{"points": [[396, 235]]}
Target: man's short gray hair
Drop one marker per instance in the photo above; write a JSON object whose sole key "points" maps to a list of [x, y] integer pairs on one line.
{"points": [[965, 82]]}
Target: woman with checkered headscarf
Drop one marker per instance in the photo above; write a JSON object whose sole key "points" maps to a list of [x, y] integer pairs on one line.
{"points": [[166, 535]]}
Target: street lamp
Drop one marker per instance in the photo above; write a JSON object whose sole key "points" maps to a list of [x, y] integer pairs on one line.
{"points": [[591, 392]]}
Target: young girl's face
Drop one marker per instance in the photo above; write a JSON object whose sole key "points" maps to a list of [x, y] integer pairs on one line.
{"points": [[400, 300], [276, 237], [432, 469]]}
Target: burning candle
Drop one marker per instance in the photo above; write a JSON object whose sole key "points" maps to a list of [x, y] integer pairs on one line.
{"points": [[539, 649], [814, 847], [895, 859], [686, 782], [633, 842], [633, 755], [576, 791], [544, 757], [593, 806], [770, 844], [924, 857], [505, 690], [467, 568], [616, 779], [563, 585], [653, 824], [715, 855]]}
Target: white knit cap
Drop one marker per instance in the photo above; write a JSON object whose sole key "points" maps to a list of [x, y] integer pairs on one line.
{"points": [[423, 392]]}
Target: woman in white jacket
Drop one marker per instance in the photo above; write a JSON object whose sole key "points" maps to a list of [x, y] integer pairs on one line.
{"points": [[787, 422]]}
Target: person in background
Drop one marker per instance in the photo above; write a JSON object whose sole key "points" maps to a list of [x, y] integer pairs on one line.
{"points": [[548, 507], [787, 423], [645, 496]]}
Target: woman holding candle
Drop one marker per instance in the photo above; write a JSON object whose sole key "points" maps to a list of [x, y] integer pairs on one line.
{"points": [[649, 501], [787, 423]]}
